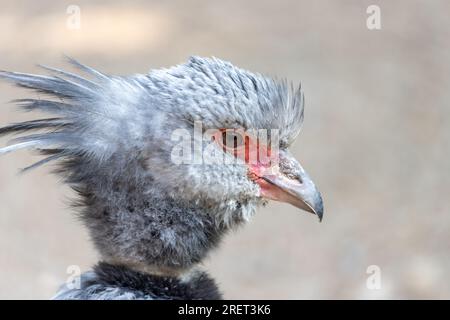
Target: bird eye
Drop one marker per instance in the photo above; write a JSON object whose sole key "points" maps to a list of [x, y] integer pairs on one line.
{"points": [[232, 139]]}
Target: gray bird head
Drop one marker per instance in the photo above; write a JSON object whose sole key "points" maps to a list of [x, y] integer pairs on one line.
{"points": [[165, 162], [206, 103]]}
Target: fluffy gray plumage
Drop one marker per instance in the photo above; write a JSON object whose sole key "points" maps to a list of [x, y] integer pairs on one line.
{"points": [[110, 136]]}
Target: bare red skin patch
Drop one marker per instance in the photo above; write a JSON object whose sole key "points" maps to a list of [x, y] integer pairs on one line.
{"points": [[260, 159]]}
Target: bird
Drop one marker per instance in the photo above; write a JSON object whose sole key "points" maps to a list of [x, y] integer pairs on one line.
{"points": [[127, 146]]}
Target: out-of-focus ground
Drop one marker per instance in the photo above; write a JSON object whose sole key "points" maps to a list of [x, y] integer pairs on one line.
{"points": [[376, 139]]}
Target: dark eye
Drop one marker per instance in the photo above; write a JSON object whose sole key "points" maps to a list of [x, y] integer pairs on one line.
{"points": [[232, 139]]}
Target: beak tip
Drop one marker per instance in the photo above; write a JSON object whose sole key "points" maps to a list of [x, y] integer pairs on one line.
{"points": [[318, 207]]}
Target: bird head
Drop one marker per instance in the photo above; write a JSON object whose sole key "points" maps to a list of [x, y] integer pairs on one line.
{"points": [[166, 162], [224, 136]]}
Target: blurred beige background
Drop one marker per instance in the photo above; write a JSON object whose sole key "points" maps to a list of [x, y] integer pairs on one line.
{"points": [[376, 139]]}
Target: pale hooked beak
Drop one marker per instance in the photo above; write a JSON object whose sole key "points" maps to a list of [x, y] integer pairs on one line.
{"points": [[294, 187]]}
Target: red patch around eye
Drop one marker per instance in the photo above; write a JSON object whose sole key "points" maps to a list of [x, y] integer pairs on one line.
{"points": [[255, 153]]}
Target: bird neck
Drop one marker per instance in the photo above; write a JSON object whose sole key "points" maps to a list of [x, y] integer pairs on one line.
{"points": [[111, 281], [198, 285], [152, 269], [133, 223]]}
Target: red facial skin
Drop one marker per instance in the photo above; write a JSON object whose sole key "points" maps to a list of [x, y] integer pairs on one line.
{"points": [[263, 169], [260, 159]]}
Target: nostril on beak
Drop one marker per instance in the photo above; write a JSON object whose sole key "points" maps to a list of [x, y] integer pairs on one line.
{"points": [[295, 176]]}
